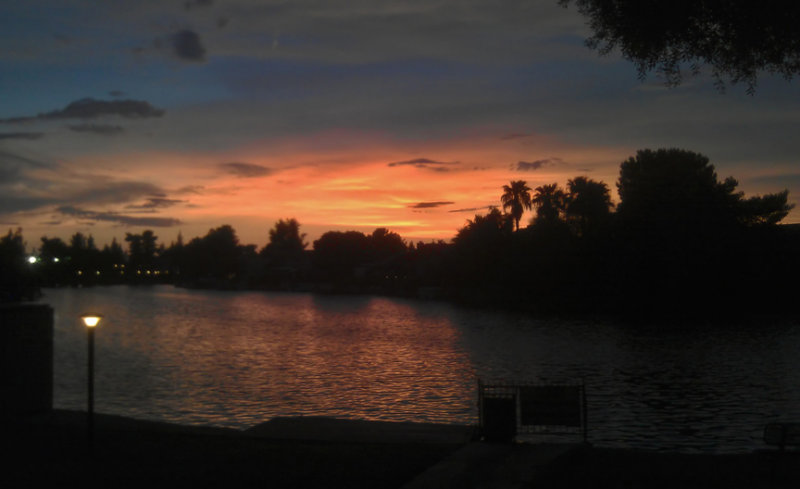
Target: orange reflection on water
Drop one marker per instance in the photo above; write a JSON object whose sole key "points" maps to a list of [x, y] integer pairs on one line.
{"points": [[257, 356]]}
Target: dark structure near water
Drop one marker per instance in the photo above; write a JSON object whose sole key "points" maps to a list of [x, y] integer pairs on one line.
{"points": [[26, 358]]}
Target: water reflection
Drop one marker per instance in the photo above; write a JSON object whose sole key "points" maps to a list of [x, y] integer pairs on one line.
{"points": [[236, 359]]}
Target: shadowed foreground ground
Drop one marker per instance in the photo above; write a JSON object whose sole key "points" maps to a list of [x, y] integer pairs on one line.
{"points": [[615, 468], [315, 452], [53, 450]]}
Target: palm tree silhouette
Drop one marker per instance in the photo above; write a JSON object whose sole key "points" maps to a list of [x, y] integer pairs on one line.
{"points": [[550, 202], [517, 196], [588, 204]]}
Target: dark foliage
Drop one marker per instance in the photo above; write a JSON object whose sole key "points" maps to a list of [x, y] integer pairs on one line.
{"points": [[16, 278], [217, 260], [517, 198], [738, 39]]}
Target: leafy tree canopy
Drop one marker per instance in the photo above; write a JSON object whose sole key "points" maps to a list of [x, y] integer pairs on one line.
{"points": [[484, 228], [15, 277], [738, 39], [53, 248], [142, 248], [672, 188], [285, 241], [386, 244]]}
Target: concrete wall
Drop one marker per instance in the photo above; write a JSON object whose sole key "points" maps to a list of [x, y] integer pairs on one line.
{"points": [[26, 358]]}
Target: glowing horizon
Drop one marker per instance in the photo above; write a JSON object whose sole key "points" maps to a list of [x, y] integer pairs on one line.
{"points": [[426, 194], [186, 131]]}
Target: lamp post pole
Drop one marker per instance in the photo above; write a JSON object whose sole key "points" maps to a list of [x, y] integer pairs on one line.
{"points": [[90, 410], [90, 320]]}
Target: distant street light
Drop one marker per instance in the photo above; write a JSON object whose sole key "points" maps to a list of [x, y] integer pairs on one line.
{"points": [[91, 320]]}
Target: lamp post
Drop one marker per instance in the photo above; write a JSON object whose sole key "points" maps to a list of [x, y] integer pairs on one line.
{"points": [[91, 320]]}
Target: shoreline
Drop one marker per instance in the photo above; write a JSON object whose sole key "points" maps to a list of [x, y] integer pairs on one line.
{"points": [[634, 317]]}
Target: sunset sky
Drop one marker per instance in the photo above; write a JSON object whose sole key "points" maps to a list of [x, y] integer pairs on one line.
{"points": [[181, 116]]}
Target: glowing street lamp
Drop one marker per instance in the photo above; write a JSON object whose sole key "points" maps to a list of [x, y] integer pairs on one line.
{"points": [[91, 320]]}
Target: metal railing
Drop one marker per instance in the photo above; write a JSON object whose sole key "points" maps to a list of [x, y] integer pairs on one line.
{"points": [[508, 408]]}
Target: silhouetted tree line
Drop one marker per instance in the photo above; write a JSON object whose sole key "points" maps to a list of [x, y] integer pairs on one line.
{"points": [[679, 240]]}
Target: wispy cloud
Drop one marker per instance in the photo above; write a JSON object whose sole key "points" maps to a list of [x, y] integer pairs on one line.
{"points": [[15, 168], [245, 170], [89, 108], [429, 205], [110, 192], [509, 137], [102, 129], [778, 181], [473, 209], [538, 164], [427, 164], [10, 204], [123, 219], [190, 189], [156, 203], [21, 135], [8, 159], [21, 184]]}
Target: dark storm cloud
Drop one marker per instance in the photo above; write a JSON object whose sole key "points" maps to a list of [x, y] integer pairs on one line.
{"points": [[21, 135], [429, 205], [186, 46], [156, 203], [89, 108], [245, 170], [102, 129], [536, 165], [79, 213], [427, 164]]}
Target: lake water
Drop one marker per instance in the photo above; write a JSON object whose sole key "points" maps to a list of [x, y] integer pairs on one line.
{"points": [[236, 359]]}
